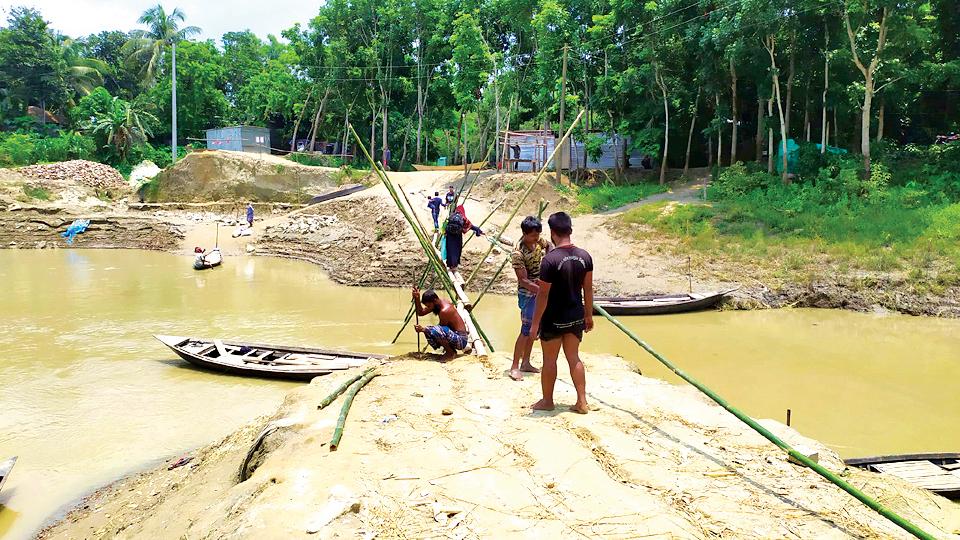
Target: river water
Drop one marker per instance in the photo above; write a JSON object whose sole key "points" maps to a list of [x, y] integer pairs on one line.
{"points": [[88, 395]]}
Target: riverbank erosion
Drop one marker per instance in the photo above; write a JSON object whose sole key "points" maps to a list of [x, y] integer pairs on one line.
{"points": [[362, 239], [452, 450]]}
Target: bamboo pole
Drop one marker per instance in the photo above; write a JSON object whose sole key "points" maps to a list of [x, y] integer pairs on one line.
{"points": [[340, 389], [423, 280], [480, 226], [793, 453], [527, 193], [446, 277], [347, 402]]}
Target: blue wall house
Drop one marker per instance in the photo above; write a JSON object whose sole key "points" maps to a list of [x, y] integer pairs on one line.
{"points": [[240, 139]]}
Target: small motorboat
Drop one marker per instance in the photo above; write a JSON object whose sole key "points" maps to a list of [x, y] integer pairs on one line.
{"points": [[208, 259], [5, 468], [259, 360], [939, 473], [661, 304]]}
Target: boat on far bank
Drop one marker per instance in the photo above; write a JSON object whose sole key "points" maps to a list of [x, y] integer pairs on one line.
{"points": [[939, 473], [260, 360], [5, 468], [660, 304]]}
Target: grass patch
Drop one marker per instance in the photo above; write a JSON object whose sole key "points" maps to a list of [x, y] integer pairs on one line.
{"points": [[609, 196], [36, 192]]}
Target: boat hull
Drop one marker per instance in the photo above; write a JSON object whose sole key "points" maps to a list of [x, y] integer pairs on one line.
{"points": [[272, 371], [936, 472], [660, 305], [5, 469]]}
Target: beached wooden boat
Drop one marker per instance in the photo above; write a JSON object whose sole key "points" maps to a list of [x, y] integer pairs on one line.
{"points": [[260, 360], [208, 260], [940, 473], [5, 468], [659, 305], [473, 167]]}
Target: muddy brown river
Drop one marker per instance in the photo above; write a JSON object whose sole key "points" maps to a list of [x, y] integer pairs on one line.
{"points": [[88, 395]]}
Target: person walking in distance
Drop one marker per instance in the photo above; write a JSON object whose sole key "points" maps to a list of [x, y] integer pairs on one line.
{"points": [[527, 255], [564, 311]]}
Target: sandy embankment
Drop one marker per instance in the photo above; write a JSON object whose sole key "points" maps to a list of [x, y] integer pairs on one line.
{"points": [[654, 460]]}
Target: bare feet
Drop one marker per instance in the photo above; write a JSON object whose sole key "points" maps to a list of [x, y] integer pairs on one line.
{"points": [[580, 408], [528, 367], [543, 405], [516, 375], [447, 357]]}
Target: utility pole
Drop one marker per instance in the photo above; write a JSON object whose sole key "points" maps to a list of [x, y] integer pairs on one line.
{"points": [[173, 106], [563, 102]]}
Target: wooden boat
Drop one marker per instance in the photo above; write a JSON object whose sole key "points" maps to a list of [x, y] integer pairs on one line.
{"points": [[5, 468], [259, 360], [661, 304], [208, 260], [473, 167], [940, 473]]}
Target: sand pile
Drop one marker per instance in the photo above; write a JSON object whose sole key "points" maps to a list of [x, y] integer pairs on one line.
{"points": [[235, 176], [94, 175], [452, 451]]}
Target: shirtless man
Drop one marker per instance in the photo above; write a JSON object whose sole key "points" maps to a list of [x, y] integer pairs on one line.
{"points": [[564, 311], [451, 334]]}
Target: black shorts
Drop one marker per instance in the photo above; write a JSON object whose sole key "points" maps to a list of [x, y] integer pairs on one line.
{"points": [[551, 331]]}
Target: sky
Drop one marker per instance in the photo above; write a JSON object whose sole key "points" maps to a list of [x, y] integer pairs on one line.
{"points": [[214, 17]]}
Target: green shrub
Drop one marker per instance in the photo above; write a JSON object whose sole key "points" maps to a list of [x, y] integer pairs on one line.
{"points": [[17, 149], [316, 160], [608, 196], [735, 181]]}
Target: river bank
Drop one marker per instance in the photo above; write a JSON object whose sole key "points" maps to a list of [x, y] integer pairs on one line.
{"points": [[362, 240], [469, 460]]}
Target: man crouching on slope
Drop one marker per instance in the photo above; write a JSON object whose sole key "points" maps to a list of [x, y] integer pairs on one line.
{"points": [[451, 334]]}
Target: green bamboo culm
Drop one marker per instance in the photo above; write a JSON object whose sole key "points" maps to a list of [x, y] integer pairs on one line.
{"points": [[526, 193], [345, 410], [341, 389], [424, 243], [816, 467], [503, 265], [423, 281]]}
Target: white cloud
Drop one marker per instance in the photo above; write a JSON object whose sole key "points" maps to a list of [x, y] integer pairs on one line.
{"points": [[214, 17]]}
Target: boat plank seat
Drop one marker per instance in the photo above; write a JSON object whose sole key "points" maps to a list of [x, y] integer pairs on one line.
{"points": [[923, 474]]}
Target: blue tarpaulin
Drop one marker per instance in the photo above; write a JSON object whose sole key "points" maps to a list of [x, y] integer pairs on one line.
{"points": [[75, 228]]}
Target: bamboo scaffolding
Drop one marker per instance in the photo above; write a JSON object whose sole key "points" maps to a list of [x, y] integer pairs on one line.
{"points": [[345, 410], [478, 339], [793, 453], [526, 193]]}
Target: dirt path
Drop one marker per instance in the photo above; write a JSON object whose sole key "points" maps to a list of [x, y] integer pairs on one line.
{"points": [[690, 192]]}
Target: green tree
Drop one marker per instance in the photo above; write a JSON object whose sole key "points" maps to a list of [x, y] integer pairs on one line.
{"points": [[148, 48], [471, 63], [31, 65], [201, 80]]}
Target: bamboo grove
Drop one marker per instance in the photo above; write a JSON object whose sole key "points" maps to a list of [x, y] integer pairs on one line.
{"points": [[691, 82]]}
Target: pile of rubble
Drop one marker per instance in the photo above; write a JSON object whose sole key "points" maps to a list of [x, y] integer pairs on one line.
{"points": [[305, 225], [88, 173]]}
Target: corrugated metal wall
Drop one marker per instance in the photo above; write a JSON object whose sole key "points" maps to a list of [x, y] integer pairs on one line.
{"points": [[239, 139]]}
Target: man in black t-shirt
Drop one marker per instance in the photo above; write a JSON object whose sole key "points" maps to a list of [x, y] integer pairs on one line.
{"points": [[564, 311]]}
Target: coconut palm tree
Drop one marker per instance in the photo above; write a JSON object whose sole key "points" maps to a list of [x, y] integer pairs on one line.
{"points": [[126, 125], [83, 74], [146, 48], [149, 46]]}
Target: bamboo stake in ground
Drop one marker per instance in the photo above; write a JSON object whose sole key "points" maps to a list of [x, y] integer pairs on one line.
{"points": [[793, 453], [526, 194], [347, 402]]}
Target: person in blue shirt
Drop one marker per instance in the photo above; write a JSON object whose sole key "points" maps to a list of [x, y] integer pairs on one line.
{"points": [[250, 214], [434, 205]]}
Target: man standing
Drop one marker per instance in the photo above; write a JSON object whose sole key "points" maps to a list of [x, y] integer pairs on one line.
{"points": [[526, 258], [434, 205], [250, 214], [450, 198], [451, 334], [564, 311]]}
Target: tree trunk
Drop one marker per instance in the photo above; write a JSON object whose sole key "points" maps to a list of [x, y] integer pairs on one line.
{"points": [[316, 118], [770, 135], [383, 130], [792, 70], [759, 138], [836, 128], [883, 107], [373, 134], [666, 125], [719, 137], [296, 126], [824, 124], [693, 124], [735, 108], [710, 152], [806, 114], [771, 46], [868, 72], [456, 155]]}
